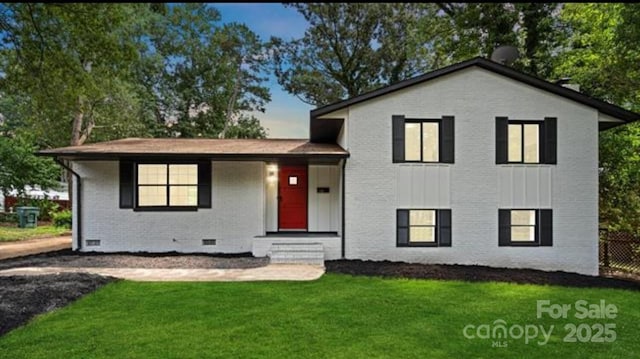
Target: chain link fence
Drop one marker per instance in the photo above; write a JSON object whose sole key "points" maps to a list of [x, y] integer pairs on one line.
{"points": [[619, 251]]}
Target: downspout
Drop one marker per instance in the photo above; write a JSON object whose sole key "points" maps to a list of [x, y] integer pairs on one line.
{"points": [[344, 165], [78, 207]]}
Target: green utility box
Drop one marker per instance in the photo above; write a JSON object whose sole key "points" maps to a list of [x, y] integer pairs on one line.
{"points": [[28, 216]]}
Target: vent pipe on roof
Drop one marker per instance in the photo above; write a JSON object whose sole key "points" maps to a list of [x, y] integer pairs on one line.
{"points": [[565, 82]]}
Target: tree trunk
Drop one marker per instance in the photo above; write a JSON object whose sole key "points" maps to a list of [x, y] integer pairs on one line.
{"points": [[69, 183], [232, 101], [76, 140]]}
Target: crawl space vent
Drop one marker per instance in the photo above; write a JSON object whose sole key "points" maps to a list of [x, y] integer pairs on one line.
{"points": [[93, 242], [208, 242]]}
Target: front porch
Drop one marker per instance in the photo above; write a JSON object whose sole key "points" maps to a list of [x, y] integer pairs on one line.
{"points": [[303, 212]]}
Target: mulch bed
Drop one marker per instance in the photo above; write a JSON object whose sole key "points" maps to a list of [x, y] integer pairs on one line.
{"points": [[24, 297], [474, 273], [69, 258]]}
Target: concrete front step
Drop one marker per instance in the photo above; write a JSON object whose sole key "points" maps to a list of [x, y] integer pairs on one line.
{"points": [[297, 247], [297, 253]]}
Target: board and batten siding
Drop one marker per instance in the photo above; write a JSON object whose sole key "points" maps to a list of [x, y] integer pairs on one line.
{"points": [[324, 208], [525, 186], [236, 216], [423, 185], [473, 187]]}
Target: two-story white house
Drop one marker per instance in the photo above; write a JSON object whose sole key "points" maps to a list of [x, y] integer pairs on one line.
{"points": [[475, 163]]}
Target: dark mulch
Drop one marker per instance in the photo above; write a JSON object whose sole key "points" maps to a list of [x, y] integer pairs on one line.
{"points": [[474, 273], [69, 258], [24, 297]]}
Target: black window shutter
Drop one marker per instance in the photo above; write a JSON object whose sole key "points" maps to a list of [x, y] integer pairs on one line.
{"points": [[550, 140], [444, 228], [204, 184], [402, 227], [126, 184], [398, 138], [502, 134], [504, 227], [447, 140], [546, 227]]}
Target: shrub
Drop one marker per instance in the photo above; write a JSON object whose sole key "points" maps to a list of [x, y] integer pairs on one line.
{"points": [[7, 217], [47, 207], [62, 219]]}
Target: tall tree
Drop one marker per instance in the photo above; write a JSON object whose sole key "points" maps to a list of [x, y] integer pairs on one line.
{"points": [[351, 48], [72, 63], [602, 56], [201, 76]]}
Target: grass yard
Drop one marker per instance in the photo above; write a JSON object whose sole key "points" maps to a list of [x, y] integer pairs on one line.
{"points": [[9, 233], [338, 316]]}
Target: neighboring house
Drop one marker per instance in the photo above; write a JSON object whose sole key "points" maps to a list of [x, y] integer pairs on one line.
{"points": [[475, 163], [59, 194]]}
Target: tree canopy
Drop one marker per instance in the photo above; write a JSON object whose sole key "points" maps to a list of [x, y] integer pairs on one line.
{"points": [[602, 56], [91, 72], [352, 48], [202, 78]]}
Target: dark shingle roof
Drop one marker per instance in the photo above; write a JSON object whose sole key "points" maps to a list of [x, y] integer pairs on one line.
{"points": [[604, 107], [215, 148]]}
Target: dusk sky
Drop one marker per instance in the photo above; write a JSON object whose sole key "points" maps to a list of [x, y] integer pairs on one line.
{"points": [[286, 116]]}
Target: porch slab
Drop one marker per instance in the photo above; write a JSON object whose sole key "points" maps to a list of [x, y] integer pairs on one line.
{"points": [[272, 272], [331, 243]]}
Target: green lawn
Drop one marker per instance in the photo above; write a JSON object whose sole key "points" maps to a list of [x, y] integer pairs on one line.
{"points": [[10, 233], [337, 316]]}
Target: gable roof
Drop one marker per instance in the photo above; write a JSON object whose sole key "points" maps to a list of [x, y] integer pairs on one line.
{"points": [[201, 148], [603, 107]]}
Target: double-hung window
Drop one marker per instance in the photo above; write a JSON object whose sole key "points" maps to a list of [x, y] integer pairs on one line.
{"points": [[525, 227], [423, 227]]}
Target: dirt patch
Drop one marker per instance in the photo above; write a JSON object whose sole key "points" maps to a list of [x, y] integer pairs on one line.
{"points": [[69, 258], [474, 274], [24, 297]]}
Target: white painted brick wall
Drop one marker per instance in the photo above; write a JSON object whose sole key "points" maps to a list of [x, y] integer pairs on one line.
{"points": [[475, 97], [236, 216]]}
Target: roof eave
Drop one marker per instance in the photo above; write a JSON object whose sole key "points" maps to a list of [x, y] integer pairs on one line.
{"points": [[78, 156], [604, 107]]}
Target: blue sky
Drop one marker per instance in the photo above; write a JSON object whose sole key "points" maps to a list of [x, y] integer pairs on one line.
{"points": [[286, 116]]}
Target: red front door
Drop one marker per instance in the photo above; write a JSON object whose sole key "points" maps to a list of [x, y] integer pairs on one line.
{"points": [[292, 204]]}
